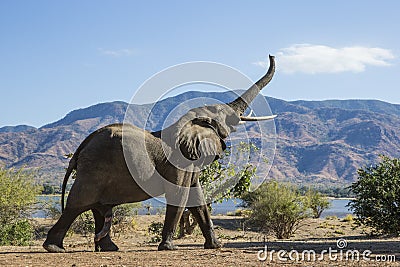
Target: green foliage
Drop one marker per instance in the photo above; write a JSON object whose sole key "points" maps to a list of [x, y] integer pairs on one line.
{"points": [[316, 202], [377, 201], [216, 171], [17, 196], [123, 217], [123, 213], [17, 233], [223, 181], [155, 229], [83, 224], [277, 208], [243, 184], [328, 190], [51, 208]]}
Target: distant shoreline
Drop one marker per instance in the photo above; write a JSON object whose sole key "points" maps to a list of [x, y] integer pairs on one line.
{"points": [[330, 198], [156, 206], [341, 198]]}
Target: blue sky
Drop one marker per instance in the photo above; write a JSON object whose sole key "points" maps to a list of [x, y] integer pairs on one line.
{"points": [[56, 56]]}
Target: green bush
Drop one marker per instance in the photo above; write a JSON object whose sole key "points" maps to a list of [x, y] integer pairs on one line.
{"points": [[124, 213], [83, 224], [17, 233], [51, 208], [123, 217], [220, 181], [316, 202], [377, 197], [17, 197], [276, 208], [155, 229]]}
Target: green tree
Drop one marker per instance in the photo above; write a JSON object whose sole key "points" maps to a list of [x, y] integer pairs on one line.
{"points": [[17, 196], [317, 202], [377, 197], [229, 187], [276, 208], [220, 181]]}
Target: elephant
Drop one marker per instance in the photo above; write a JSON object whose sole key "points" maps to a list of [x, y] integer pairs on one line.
{"points": [[122, 163]]}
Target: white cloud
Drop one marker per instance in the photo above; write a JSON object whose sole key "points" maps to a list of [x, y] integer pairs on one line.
{"points": [[116, 53], [311, 59]]}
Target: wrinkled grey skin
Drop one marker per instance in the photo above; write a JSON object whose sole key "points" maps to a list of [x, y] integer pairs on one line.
{"points": [[111, 162]]}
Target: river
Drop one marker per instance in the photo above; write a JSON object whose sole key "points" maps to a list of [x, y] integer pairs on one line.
{"points": [[157, 205]]}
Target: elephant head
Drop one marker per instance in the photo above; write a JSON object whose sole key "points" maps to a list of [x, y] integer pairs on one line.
{"points": [[199, 135]]}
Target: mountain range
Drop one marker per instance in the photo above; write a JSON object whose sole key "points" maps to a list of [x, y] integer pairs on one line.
{"points": [[317, 141]]}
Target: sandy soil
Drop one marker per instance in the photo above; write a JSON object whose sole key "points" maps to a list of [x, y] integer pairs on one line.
{"points": [[241, 247]]}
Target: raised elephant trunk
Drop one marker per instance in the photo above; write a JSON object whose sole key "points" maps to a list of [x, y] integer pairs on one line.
{"points": [[242, 103]]}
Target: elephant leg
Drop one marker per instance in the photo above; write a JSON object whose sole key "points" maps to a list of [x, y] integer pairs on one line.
{"points": [[172, 217], [199, 209], [102, 241], [202, 215], [176, 195], [55, 236], [106, 225]]}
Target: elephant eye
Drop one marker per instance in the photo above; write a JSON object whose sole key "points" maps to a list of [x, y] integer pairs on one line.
{"points": [[232, 119]]}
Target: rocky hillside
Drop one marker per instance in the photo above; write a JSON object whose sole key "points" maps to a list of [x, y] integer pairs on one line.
{"points": [[330, 141], [317, 141]]}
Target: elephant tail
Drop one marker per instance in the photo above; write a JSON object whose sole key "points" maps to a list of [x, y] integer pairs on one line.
{"points": [[71, 166]]}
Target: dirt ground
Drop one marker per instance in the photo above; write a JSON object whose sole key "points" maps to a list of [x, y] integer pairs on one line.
{"points": [[334, 241]]}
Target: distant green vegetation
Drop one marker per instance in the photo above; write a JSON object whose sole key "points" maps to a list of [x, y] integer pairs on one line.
{"points": [[336, 191], [17, 196]]}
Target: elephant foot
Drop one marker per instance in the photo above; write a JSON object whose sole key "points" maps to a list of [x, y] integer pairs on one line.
{"points": [[105, 245], [213, 244], [167, 246], [53, 248]]}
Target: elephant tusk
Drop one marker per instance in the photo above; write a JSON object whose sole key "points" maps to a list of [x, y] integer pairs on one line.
{"points": [[263, 118]]}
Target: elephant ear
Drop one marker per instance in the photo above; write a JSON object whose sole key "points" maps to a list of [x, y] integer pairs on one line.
{"points": [[200, 137]]}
